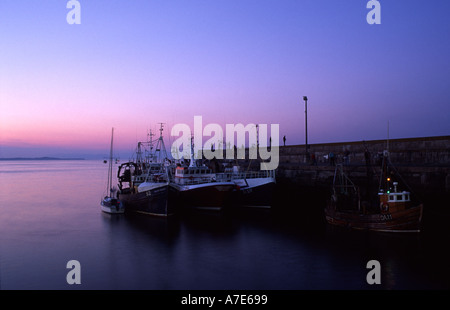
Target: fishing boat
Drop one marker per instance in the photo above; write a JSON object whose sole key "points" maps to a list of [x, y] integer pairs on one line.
{"points": [[393, 210], [110, 204], [144, 182], [196, 186], [253, 188], [149, 196]]}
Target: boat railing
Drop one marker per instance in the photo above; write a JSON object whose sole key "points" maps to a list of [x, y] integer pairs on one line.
{"points": [[193, 181], [229, 176], [159, 180]]}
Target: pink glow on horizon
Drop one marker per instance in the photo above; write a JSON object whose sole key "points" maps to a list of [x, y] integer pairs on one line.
{"points": [[133, 66]]}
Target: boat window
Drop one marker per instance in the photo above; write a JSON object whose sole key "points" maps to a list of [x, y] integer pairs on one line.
{"points": [[399, 197], [391, 197], [406, 197]]}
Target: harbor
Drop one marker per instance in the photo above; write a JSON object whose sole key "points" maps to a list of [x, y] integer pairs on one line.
{"points": [[199, 150], [423, 163], [380, 181], [287, 247]]}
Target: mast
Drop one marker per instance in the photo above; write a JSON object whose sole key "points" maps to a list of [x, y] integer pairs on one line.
{"points": [[192, 163], [387, 136], [151, 156], [160, 147], [109, 189]]}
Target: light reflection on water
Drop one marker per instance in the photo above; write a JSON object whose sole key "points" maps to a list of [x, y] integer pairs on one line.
{"points": [[50, 214]]}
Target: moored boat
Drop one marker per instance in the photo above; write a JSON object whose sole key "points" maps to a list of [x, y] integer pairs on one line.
{"points": [[110, 204], [149, 196], [144, 183], [196, 186], [253, 188], [393, 210]]}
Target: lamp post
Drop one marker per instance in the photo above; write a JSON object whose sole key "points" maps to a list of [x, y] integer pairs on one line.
{"points": [[306, 125]]}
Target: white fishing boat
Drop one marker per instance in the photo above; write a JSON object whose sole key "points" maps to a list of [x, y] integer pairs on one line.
{"points": [[196, 186], [253, 188], [110, 204]]}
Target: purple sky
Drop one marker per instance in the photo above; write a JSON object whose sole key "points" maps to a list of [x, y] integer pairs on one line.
{"points": [[133, 64]]}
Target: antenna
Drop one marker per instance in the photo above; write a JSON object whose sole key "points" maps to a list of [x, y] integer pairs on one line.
{"points": [[160, 147], [161, 129], [192, 163], [257, 136], [110, 164], [388, 136], [150, 138]]}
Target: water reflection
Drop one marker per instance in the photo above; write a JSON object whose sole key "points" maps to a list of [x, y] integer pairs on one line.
{"points": [[43, 227], [245, 249]]}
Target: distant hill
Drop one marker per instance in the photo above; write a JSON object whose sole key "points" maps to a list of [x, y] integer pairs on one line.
{"points": [[40, 158]]}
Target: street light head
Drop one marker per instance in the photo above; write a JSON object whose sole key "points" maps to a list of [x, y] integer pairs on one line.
{"points": [[305, 98]]}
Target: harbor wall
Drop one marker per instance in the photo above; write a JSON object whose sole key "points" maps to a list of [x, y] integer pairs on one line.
{"points": [[424, 163]]}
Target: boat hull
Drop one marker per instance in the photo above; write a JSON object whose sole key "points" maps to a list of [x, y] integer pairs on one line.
{"points": [[408, 220], [207, 196], [151, 202], [111, 206], [257, 192]]}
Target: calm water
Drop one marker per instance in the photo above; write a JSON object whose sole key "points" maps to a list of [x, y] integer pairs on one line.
{"points": [[50, 214]]}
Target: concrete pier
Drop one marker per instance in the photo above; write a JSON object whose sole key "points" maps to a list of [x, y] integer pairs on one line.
{"points": [[306, 179], [423, 162]]}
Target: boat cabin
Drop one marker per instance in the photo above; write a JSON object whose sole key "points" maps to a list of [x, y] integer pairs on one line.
{"points": [[393, 201], [193, 175]]}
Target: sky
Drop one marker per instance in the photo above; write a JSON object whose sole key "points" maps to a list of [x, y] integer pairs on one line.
{"points": [[133, 64]]}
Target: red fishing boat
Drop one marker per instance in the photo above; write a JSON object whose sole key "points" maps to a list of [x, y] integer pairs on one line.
{"points": [[392, 211]]}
